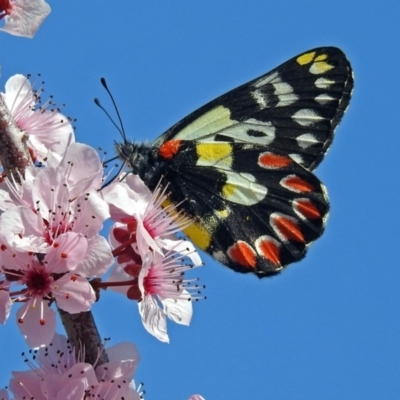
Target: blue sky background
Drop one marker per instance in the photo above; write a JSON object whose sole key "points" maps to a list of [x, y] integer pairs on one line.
{"points": [[326, 328]]}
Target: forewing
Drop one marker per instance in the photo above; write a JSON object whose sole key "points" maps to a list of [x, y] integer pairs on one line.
{"points": [[293, 109]]}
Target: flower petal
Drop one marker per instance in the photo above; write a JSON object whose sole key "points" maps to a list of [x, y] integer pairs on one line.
{"points": [[39, 322], [179, 310], [73, 293], [26, 17], [153, 318], [68, 250], [98, 258]]}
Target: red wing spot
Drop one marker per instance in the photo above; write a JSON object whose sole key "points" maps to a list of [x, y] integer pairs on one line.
{"points": [[288, 229], [297, 184], [169, 149], [307, 208], [243, 254], [273, 161], [270, 250]]}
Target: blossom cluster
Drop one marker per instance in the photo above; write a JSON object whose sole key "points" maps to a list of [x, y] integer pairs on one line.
{"points": [[52, 212], [53, 205], [56, 372]]}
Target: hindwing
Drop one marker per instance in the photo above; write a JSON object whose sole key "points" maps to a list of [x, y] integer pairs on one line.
{"points": [[253, 210]]}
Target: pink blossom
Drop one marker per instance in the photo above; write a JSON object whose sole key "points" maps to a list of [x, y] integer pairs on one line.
{"points": [[196, 397], [47, 129], [23, 17], [56, 200], [132, 203], [57, 373], [46, 278], [158, 284], [150, 259]]}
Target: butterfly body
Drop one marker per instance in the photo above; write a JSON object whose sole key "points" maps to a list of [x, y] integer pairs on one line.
{"points": [[241, 166]]}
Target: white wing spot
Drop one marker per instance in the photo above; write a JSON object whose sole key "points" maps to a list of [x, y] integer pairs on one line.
{"points": [[306, 117], [285, 94], [320, 67], [220, 256], [260, 98], [306, 140], [242, 189], [323, 83], [297, 158], [241, 132], [324, 98], [268, 79], [282, 90]]}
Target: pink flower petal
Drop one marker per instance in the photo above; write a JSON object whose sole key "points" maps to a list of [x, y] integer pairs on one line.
{"points": [[26, 17], [94, 212], [98, 258], [5, 306], [85, 170], [67, 252], [72, 390], [18, 94], [23, 229], [31, 387], [153, 318], [37, 334], [62, 387], [179, 310], [124, 358], [74, 294]]}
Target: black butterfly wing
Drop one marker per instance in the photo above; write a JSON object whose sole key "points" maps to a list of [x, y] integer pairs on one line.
{"points": [[253, 210], [293, 109]]}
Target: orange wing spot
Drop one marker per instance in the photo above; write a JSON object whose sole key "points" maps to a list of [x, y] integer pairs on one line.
{"points": [[297, 184], [270, 250], [169, 149], [288, 229], [243, 254], [274, 161], [307, 208]]}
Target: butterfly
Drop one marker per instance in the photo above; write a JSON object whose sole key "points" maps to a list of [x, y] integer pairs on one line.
{"points": [[241, 166]]}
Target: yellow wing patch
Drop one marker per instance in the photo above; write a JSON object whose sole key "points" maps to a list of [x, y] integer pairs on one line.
{"points": [[319, 65], [210, 154], [306, 58], [199, 235]]}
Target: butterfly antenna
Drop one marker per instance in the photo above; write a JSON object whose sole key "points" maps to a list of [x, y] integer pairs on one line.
{"points": [[120, 128]]}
